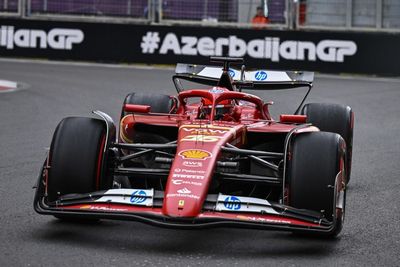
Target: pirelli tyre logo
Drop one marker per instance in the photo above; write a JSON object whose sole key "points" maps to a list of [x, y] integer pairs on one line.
{"points": [[57, 38], [267, 47]]}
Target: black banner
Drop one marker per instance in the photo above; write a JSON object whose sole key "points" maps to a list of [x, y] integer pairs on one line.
{"points": [[322, 51]]}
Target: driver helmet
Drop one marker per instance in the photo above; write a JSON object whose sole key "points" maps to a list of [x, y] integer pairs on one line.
{"points": [[222, 109]]}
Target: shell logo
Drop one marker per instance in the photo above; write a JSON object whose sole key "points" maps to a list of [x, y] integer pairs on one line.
{"points": [[194, 154]]}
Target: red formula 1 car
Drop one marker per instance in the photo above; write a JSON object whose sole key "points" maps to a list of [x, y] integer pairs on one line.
{"points": [[204, 158]]}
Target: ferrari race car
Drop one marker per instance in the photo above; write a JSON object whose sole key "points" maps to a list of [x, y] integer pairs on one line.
{"points": [[205, 157]]}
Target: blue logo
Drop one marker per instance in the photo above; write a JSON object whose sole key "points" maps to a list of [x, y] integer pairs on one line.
{"points": [[216, 90], [260, 75], [232, 203], [139, 196], [232, 73]]}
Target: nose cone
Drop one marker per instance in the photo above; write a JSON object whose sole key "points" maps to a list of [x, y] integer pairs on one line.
{"points": [[188, 182], [193, 167], [182, 207]]}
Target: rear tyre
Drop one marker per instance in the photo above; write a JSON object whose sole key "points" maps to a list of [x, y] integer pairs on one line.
{"points": [[158, 103], [335, 119], [75, 158], [314, 184]]}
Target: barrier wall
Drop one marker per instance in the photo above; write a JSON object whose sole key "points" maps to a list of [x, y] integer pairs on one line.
{"points": [[328, 52]]}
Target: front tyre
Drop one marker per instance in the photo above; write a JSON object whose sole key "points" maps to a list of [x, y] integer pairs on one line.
{"points": [[335, 119], [76, 158], [316, 176]]}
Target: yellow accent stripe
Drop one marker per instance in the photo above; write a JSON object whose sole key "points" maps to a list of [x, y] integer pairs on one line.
{"points": [[205, 126]]}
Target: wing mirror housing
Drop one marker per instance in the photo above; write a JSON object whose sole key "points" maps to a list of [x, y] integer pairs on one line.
{"points": [[293, 118], [137, 108]]}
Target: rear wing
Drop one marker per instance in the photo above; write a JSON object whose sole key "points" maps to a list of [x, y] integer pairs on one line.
{"points": [[237, 80], [244, 79]]}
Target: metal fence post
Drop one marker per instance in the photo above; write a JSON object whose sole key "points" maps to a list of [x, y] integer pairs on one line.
{"points": [[379, 11], [22, 5], [296, 15], [160, 10], [349, 14], [128, 7], [292, 13], [205, 9], [28, 8], [152, 11]]}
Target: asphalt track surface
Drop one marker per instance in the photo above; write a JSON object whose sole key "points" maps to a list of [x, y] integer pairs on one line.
{"points": [[28, 117]]}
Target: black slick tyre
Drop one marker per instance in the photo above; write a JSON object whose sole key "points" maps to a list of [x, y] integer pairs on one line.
{"points": [[158, 103], [316, 176], [75, 158], [335, 119]]}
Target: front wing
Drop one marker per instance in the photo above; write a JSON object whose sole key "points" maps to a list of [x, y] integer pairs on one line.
{"points": [[219, 210]]}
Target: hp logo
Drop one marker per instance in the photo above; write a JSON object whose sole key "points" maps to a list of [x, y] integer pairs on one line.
{"points": [[232, 203], [261, 75], [139, 196], [232, 73]]}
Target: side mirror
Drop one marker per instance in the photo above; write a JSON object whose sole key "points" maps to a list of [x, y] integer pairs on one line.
{"points": [[137, 108], [293, 118]]}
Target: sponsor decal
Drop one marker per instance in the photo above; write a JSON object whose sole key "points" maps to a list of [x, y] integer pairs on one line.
{"points": [[201, 138], [138, 196], [263, 220], [232, 203], [197, 126], [267, 47], [204, 131], [195, 164], [102, 208], [260, 76], [195, 154], [188, 176], [180, 182], [232, 73], [177, 182], [178, 170], [184, 191], [183, 196], [57, 38], [141, 197], [216, 90]]}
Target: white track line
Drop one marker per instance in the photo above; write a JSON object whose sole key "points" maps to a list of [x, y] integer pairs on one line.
{"points": [[7, 86]]}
